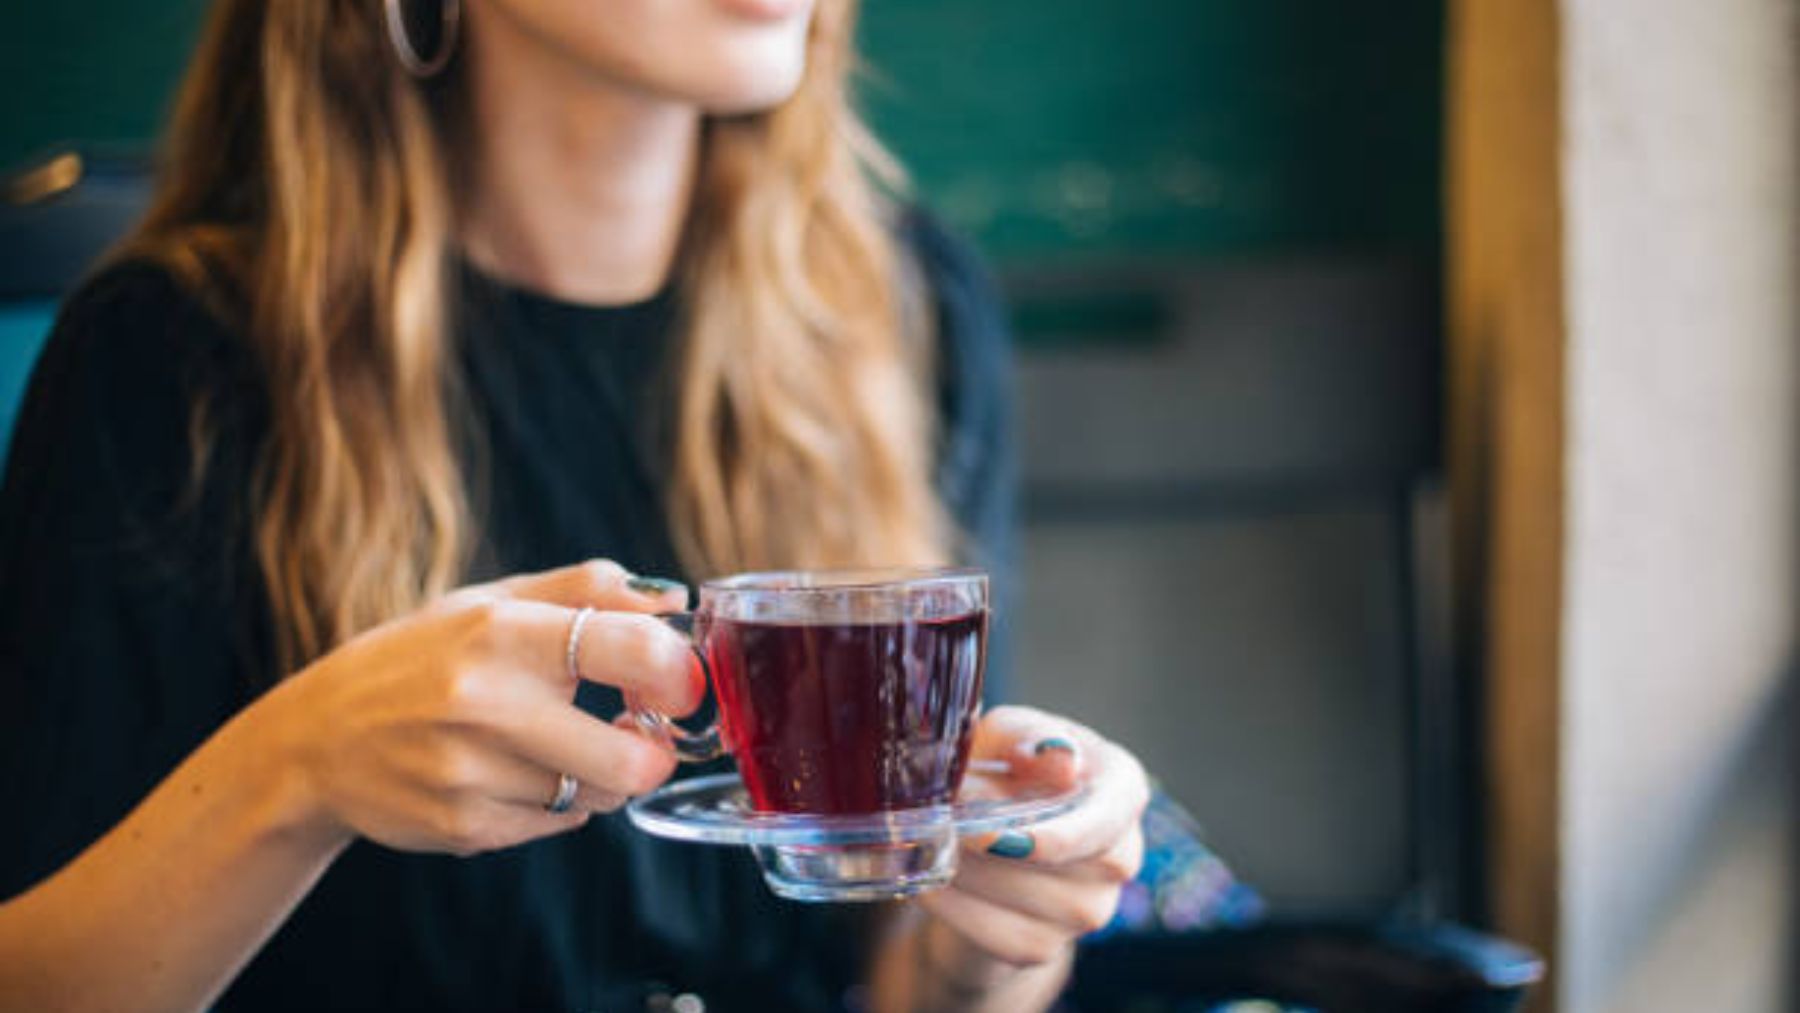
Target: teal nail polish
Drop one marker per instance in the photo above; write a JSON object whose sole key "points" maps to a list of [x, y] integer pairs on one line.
{"points": [[653, 586], [1012, 844], [1060, 744]]}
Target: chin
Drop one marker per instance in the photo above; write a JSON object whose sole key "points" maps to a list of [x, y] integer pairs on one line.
{"points": [[726, 57], [750, 94], [747, 72]]}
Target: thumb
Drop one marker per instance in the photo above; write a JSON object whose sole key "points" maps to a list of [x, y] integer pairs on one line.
{"points": [[1052, 761], [1028, 745], [1016, 746]]}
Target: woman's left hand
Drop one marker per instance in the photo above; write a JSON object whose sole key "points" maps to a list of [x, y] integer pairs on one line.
{"points": [[1021, 898]]}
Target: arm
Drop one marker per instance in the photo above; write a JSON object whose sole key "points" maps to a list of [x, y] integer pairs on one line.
{"points": [[163, 911], [442, 731]]}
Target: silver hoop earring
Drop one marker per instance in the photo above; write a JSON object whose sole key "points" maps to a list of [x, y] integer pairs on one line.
{"points": [[450, 19]]}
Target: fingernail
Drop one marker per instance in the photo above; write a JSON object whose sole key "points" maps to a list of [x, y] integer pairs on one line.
{"points": [[1012, 844], [1046, 745], [655, 587]]}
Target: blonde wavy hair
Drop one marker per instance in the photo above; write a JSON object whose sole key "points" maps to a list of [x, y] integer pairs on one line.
{"points": [[304, 194]]}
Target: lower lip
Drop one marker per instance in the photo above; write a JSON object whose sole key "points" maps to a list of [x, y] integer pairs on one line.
{"points": [[766, 10]]}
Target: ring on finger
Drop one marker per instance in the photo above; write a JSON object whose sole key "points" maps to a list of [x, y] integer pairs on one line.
{"points": [[572, 648], [566, 789]]}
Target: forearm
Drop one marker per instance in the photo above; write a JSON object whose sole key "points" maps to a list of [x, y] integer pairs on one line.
{"points": [[164, 910], [924, 967]]}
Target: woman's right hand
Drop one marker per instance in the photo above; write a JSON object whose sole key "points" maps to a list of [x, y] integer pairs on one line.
{"points": [[448, 729]]}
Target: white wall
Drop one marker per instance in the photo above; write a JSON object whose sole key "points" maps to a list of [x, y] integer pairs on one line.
{"points": [[1680, 177]]}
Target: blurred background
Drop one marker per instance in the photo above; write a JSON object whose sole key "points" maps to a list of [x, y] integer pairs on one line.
{"points": [[1379, 429]]}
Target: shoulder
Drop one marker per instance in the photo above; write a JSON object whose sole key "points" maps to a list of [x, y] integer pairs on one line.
{"points": [[110, 407], [135, 314], [134, 345]]}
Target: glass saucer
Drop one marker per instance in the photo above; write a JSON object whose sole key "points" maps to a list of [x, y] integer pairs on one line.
{"points": [[877, 856], [716, 810]]}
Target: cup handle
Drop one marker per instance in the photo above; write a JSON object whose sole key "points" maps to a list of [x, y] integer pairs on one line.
{"points": [[690, 747]]}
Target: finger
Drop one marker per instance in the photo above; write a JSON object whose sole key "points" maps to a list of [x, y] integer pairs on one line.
{"points": [[637, 653], [473, 826], [1119, 864], [1032, 744], [505, 777], [1078, 903], [1039, 756], [597, 583], [606, 759], [1005, 935], [654, 665], [1116, 794]]}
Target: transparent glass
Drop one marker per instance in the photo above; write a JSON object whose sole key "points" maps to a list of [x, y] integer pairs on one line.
{"points": [[848, 700], [879, 856]]}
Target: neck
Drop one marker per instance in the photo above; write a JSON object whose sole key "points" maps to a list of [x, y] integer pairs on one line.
{"points": [[580, 187]]}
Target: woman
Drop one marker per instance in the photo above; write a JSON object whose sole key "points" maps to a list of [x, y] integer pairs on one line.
{"points": [[423, 302]]}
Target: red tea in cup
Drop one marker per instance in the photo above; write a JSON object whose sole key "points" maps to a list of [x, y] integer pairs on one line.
{"points": [[840, 693], [848, 717]]}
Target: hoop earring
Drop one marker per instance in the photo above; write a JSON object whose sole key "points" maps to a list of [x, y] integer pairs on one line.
{"points": [[450, 16]]}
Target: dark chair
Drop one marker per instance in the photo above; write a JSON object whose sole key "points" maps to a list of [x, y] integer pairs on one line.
{"points": [[1341, 968], [59, 213]]}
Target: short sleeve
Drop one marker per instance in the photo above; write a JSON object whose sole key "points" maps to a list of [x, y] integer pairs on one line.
{"points": [[122, 602], [977, 469]]}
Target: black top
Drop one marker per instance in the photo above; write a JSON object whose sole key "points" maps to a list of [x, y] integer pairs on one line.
{"points": [[132, 624]]}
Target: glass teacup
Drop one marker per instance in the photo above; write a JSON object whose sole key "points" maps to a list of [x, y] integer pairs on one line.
{"points": [[848, 700]]}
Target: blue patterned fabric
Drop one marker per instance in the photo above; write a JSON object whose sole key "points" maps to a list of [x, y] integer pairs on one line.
{"points": [[1182, 886]]}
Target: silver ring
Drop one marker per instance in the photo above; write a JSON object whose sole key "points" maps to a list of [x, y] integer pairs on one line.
{"points": [[566, 787], [572, 649]]}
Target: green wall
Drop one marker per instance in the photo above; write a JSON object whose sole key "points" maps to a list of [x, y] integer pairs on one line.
{"points": [[93, 71], [1048, 128], [1068, 126]]}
